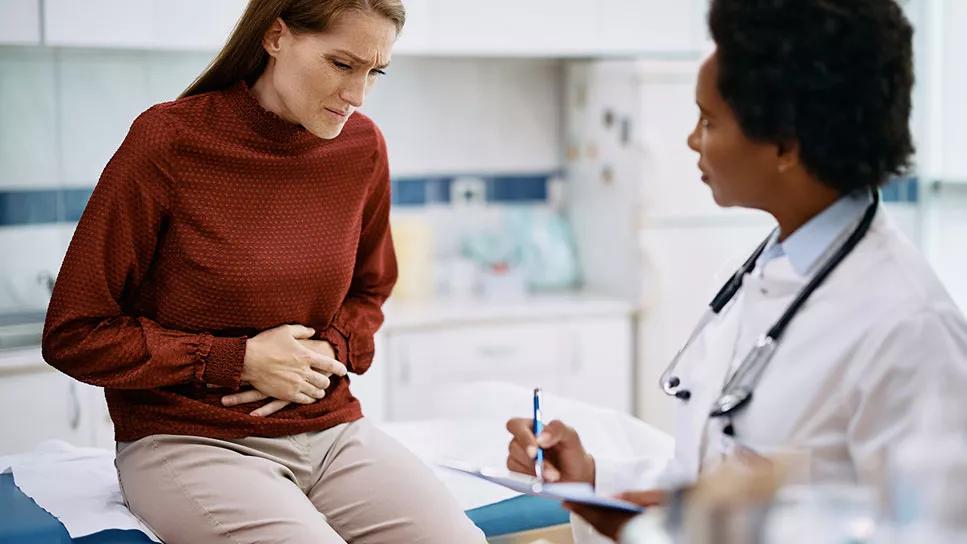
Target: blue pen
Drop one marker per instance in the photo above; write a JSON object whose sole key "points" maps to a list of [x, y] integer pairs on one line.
{"points": [[538, 427]]}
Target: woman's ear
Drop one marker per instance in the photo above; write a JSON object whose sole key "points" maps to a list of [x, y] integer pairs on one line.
{"points": [[272, 40]]}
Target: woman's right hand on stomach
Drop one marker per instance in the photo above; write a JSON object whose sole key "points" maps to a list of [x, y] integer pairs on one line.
{"points": [[279, 364]]}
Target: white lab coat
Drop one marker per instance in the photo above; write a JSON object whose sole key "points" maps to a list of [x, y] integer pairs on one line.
{"points": [[842, 385]]}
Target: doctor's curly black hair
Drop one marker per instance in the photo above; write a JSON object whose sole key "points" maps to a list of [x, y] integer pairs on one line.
{"points": [[833, 75]]}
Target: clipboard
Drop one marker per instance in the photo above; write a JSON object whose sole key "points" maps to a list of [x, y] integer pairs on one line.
{"points": [[576, 492]]}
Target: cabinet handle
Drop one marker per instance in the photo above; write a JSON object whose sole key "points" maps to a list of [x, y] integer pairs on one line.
{"points": [[405, 368], [576, 362], [494, 352], [75, 418]]}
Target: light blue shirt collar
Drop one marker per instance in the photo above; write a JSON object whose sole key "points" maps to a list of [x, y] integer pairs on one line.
{"points": [[810, 242]]}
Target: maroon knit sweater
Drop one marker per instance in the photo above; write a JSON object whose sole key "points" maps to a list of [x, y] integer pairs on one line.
{"points": [[216, 220]]}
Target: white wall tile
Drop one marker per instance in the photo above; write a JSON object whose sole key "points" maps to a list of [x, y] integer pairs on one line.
{"points": [[28, 124], [101, 94], [29, 251], [470, 115], [171, 73]]}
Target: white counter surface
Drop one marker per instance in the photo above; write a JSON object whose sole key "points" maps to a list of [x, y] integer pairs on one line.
{"points": [[407, 314], [21, 359]]}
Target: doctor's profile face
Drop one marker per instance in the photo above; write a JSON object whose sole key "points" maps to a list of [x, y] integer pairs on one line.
{"points": [[738, 170]]}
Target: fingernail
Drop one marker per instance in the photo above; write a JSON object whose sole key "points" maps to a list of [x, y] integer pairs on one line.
{"points": [[541, 438], [531, 451], [551, 475], [226, 402]]}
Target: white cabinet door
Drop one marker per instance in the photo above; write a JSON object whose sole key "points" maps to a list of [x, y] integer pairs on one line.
{"points": [[417, 33], [20, 22], [600, 368], [41, 405], [648, 26], [513, 27], [99, 23], [423, 364], [141, 24], [952, 116], [190, 24]]}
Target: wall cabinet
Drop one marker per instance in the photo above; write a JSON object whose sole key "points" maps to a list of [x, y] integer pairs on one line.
{"points": [[553, 28], [140, 24], [19, 22], [530, 28], [951, 86]]}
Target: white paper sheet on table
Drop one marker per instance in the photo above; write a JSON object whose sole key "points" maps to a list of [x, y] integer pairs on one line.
{"points": [[78, 486]]}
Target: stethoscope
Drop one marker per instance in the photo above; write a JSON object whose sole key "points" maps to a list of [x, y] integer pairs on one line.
{"points": [[737, 392]]}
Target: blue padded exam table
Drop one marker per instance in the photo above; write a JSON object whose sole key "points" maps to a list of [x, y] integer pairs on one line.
{"points": [[23, 522]]}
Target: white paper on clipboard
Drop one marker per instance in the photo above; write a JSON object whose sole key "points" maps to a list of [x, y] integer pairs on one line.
{"points": [[577, 492]]}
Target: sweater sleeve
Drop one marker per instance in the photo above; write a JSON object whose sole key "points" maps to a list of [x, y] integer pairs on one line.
{"points": [[91, 333], [360, 315]]}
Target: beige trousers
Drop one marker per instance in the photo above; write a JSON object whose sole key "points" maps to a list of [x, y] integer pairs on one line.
{"points": [[349, 484]]}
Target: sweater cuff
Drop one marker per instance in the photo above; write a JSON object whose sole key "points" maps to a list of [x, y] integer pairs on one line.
{"points": [[223, 362], [340, 345]]}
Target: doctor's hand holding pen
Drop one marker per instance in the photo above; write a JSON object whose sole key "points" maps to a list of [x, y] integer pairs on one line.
{"points": [[566, 460], [286, 365]]}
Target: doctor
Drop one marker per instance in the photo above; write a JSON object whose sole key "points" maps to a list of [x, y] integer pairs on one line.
{"points": [[819, 346]]}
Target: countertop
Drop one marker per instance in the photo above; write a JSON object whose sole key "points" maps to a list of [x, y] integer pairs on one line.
{"points": [[436, 312], [14, 361]]}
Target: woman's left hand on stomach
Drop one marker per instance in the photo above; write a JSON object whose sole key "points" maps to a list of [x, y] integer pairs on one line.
{"points": [[319, 379]]}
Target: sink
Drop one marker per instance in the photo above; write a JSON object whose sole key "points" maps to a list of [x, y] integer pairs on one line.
{"points": [[21, 329]]}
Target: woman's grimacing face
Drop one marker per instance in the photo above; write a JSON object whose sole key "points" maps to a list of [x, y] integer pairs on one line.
{"points": [[739, 171], [318, 80]]}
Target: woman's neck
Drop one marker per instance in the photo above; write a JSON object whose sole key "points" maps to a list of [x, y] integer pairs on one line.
{"points": [[264, 92]]}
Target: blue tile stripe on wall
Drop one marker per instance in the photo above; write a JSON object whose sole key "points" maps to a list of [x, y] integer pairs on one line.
{"points": [[26, 207], [23, 207], [500, 189]]}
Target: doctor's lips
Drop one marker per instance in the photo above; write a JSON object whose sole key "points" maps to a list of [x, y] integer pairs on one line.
{"points": [[704, 175]]}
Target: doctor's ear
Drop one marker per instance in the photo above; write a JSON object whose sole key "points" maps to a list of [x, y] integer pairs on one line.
{"points": [[787, 156]]}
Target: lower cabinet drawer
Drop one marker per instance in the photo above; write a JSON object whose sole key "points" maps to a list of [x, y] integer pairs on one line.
{"points": [[588, 359], [422, 363]]}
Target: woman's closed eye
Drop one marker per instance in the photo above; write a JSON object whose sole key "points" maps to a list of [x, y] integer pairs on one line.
{"points": [[346, 67]]}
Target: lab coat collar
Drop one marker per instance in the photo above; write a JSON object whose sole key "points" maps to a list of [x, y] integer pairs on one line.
{"points": [[806, 247]]}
